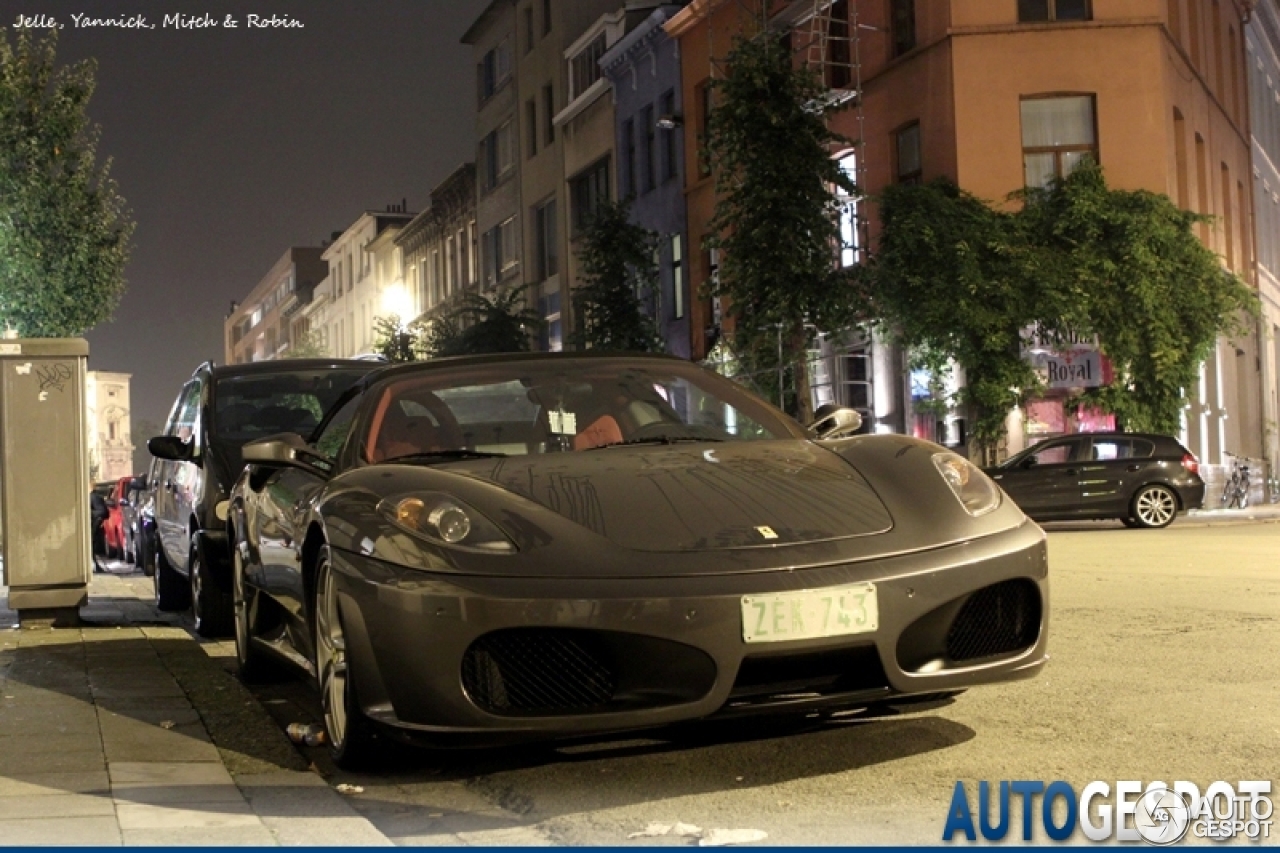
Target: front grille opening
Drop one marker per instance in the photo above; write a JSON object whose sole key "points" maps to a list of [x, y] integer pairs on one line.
{"points": [[995, 620], [808, 675], [545, 671], [533, 670]]}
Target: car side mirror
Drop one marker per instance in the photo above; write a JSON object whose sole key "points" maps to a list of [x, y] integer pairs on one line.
{"points": [[139, 483], [169, 447], [287, 450], [832, 421], [1029, 462]]}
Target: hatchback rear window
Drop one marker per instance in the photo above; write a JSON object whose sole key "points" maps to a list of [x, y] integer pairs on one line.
{"points": [[249, 407]]}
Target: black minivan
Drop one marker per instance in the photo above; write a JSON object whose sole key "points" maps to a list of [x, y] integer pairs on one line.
{"points": [[198, 460], [1143, 479]]}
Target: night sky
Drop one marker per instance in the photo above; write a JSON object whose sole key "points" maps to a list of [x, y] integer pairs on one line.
{"points": [[231, 145]]}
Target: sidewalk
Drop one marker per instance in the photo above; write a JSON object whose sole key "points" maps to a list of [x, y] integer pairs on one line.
{"points": [[1255, 512], [125, 731]]}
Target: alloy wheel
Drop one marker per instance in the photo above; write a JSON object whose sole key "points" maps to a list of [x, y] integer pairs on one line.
{"points": [[240, 607], [196, 577], [1155, 506], [331, 658]]}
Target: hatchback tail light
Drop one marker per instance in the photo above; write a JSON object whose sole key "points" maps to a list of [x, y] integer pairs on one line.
{"points": [[1190, 462]]}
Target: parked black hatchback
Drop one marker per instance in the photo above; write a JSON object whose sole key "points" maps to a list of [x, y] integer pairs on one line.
{"points": [[198, 460], [1144, 480]]}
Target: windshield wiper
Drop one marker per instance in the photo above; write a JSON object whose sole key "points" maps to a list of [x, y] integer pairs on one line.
{"points": [[444, 454], [665, 439]]}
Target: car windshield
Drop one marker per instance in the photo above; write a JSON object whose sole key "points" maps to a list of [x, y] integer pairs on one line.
{"points": [[255, 405], [532, 406]]}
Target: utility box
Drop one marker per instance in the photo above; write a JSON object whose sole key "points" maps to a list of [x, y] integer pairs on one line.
{"points": [[44, 476]]}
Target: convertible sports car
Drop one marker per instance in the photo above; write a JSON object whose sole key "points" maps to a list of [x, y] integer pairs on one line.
{"points": [[486, 549]]}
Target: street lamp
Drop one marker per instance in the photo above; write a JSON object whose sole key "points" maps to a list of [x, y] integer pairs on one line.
{"points": [[396, 303]]}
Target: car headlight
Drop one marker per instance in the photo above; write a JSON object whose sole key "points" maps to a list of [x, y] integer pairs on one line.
{"points": [[974, 489], [446, 520]]}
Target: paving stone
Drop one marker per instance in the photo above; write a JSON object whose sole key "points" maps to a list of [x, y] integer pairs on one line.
{"points": [[188, 814], [51, 762], [56, 806], [70, 831], [131, 740], [175, 795], [49, 743], [44, 784], [223, 836], [168, 773]]}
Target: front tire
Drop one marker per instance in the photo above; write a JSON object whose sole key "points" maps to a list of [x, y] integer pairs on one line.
{"points": [[1154, 506], [350, 732], [147, 554], [210, 606], [173, 593]]}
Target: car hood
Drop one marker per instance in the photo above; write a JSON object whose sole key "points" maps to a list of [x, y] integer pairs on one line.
{"points": [[698, 497]]}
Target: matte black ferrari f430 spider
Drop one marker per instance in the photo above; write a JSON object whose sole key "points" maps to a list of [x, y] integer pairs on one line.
{"points": [[501, 548]]}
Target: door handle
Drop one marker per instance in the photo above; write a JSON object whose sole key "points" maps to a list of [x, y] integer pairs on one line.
{"points": [[1133, 468], [1071, 472]]}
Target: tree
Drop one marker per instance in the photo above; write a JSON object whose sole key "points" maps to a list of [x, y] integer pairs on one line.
{"points": [[64, 231], [308, 345], [1152, 293], [393, 341], [950, 282], [485, 324], [777, 218], [618, 264], [956, 280]]}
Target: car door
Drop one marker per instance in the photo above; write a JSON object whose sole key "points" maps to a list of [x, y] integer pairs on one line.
{"points": [[1046, 481], [1109, 472], [280, 513], [177, 481]]}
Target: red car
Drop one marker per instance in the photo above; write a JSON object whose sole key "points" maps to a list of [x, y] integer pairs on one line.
{"points": [[113, 527]]}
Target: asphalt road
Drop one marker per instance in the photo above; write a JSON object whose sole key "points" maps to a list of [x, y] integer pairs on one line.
{"points": [[1164, 647]]}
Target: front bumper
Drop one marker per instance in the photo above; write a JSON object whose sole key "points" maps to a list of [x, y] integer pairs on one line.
{"points": [[429, 651]]}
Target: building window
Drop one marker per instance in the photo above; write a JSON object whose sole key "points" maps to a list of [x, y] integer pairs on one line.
{"points": [[545, 243], [584, 66], [499, 251], [628, 174], [531, 126], [648, 154], [1057, 134], [1038, 11], [549, 307], [549, 113], [706, 103], [907, 149], [849, 242], [677, 276], [494, 69], [528, 29], [588, 191], [903, 24], [497, 154], [546, 16], [669, 136]]}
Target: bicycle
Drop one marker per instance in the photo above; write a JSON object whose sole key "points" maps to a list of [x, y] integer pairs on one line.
{"points": [[1235, 495]]}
